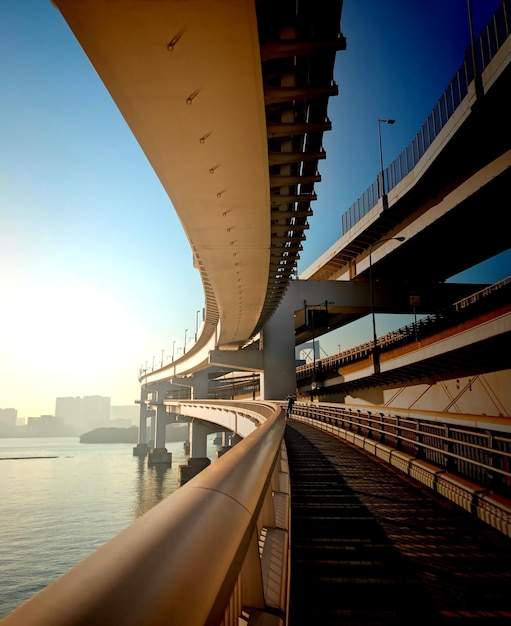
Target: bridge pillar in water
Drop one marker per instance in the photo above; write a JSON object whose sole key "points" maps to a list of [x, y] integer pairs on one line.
{"points": [[234, 439], [227, 440], [144, 440], [159, 453], [199, 431]]}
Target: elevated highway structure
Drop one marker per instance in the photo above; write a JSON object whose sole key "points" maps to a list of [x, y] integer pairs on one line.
{"points": [[444, 213], [228, 100], [465, 340]]}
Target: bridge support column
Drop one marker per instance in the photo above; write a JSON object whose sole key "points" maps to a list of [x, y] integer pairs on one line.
{"points": [[278, 334], [143, 446], [159, 454], [198, 460], [152, 428], [276, 357], [234, 439], [200, 385], [228, 439], [278, 343]]}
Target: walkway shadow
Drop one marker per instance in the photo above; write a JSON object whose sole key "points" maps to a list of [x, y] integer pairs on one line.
{"points": [[368, 548]]}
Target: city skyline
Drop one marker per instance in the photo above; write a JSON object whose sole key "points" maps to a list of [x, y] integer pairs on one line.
{"points": [[72, 415], [97, 274]]}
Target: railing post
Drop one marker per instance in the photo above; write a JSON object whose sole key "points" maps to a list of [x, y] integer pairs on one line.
{"points": [[493, 460], [382, 428], [419, 450], [449, 462], [399, 443]]}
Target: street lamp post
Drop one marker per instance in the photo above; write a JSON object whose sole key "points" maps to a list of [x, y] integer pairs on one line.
{"points": [[376, 356], [381, 186], [478, 84], [184, 349]]}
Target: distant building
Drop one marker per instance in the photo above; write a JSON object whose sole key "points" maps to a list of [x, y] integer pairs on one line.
{"points": [[8, 416], [85, 413], [73, 416], [69, 409], [95, 411], [8, 422], [47, 426]]}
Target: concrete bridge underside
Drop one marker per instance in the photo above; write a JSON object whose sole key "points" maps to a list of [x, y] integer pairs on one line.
{"points": [[228, 100]]}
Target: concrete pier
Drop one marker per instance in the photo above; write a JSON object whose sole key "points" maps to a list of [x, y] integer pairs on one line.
{"points": [[222, 450], [160, 456], [141, 449], [194, 466]]}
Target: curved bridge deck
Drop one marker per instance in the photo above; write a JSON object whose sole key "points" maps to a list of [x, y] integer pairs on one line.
{"points": [[370, 545]]}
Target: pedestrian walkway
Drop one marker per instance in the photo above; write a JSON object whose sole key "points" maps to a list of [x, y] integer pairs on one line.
{"points": [[371, 546]]}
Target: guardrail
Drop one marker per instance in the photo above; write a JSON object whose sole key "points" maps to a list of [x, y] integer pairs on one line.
{"points": [[486, 299], [485, 48], [213, 552], [465, 458], [467, 308]]}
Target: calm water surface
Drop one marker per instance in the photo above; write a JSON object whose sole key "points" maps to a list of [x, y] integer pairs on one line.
{"points": [[56, 511]]}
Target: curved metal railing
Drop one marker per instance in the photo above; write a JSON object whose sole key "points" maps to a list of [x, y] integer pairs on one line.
{"points": [[213, 552], [466, 458], [485, 48], [427, 326]]}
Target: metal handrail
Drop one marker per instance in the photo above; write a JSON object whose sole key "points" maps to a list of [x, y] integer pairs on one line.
{"points": [[193, 559], [410, 332], [476, 448]]}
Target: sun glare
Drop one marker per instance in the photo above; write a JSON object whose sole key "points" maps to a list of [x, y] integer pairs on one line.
{"points": [[72, 329]]}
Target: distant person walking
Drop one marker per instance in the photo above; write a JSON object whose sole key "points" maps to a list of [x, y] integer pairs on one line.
{"points": [[290, 403]]}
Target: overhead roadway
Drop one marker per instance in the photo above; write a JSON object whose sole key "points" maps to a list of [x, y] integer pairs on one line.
{"points": [[228, 100], [451, 206], [450, 209]]}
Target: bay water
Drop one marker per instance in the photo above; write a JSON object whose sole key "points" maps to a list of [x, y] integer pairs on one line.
{"points": [[61, 499]]}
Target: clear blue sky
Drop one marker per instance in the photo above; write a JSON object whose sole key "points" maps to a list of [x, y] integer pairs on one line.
{"points": [[96, 273]]}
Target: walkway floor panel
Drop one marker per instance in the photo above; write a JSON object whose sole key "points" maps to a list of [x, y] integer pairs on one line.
{"points": [[371, 546]]}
